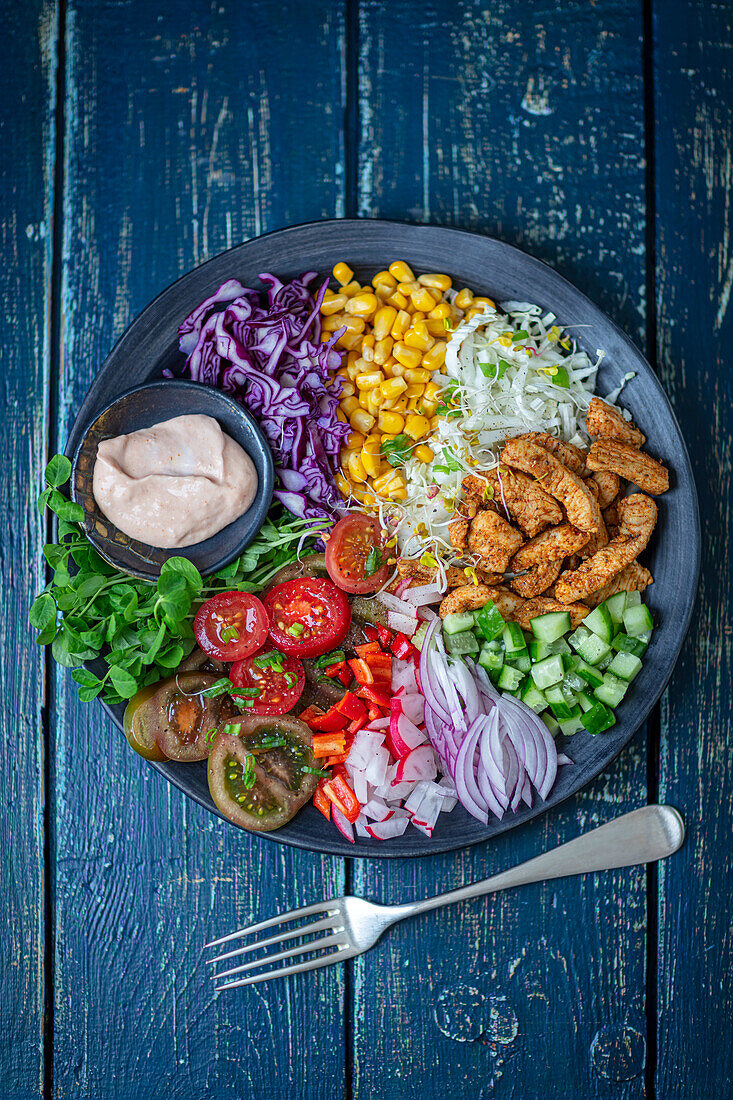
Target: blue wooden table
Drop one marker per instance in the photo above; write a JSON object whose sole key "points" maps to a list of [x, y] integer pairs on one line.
{"points": [[139, 139]]}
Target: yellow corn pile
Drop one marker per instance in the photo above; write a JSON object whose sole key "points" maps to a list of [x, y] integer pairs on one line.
{"points": [[396, 337]]}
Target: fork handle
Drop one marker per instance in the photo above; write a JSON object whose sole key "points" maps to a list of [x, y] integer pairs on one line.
{"points": [[641, 836]]}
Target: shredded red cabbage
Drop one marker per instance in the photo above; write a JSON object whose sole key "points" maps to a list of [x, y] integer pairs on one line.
{"points": [[270, 359]]}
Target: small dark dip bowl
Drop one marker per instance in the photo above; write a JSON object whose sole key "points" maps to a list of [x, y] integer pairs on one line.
{"points": [[142, 407]]}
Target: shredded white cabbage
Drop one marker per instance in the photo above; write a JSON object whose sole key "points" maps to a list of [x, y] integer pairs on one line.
{"points": [[507, 372]]}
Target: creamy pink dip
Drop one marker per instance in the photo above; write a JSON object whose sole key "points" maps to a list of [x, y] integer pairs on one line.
{"points": [[174, 484]]}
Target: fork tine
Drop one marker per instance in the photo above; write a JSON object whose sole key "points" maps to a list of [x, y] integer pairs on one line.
{"points": [[304, 929], [339, 955], [306, 911], [300, 949]]}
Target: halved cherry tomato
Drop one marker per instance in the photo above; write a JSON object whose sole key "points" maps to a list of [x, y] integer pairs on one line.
{"points": [[271, 683], [356, 557], [308, 616], [231, 625]]}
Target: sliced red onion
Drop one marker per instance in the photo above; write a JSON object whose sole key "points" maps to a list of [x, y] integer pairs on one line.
{"points": [[563, 759], [491, 762], [469, 794], [546, 749]]}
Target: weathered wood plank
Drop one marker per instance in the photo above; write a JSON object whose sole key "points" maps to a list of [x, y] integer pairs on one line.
{"points": [[189, 128], [498, 119], [27, 90], [694, 142]]}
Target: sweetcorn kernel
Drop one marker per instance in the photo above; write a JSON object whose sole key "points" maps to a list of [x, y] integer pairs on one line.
{"points": [[370, 380], [362, 305], [436, 282], [333, 304], [343, 486], [384, 280], [349, 405], [384, 318], [390, 422], [351, 289], [423, 453], [409, 357], [397, 300], [417, 375], [423, 299], [356, 467], [463, 298], [416, 426], [435, 357], [401, 271], [342, 273], [362, 421], [441, 311], [383, 349]]}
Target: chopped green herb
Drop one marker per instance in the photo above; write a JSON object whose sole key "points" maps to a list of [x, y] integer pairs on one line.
{"points": [[232, 729], [332, 658], [290, 679], [229, 634], [221, 687], [296, 630], [521, 335], [397, 451], [373, 561], [315, 771], [247, 693], [210, 734], [249, 776], [271, 659]]}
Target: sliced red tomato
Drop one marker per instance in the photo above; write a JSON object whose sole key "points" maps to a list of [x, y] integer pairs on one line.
{"points": [[231, 625], [356, 557], [270, 682], [308, 616]]}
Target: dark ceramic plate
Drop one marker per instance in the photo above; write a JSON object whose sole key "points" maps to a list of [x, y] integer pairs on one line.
{"points": [[489, 267], [142, 407]]}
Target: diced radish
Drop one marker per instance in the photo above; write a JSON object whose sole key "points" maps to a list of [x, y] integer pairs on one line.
{"points": [[422, 594], [398, 791], [361, 787], [376, 769], [403, 623], [385, 830], [361, 829], [394, 605], [403, 676], [420, 764], [376, 809], [404, 735], [344, 827], [413, 706], [422, 828], [378, 724]]}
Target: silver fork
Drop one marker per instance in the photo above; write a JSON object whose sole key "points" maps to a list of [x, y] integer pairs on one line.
{"points": [[352, 925]]}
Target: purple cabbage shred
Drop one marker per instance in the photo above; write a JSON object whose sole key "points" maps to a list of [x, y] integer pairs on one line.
{"points": [[271, 360]]}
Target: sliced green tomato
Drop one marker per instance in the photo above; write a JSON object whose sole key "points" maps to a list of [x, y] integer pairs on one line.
{"points": [[615, 605], [458, 622], [550, 627], [548, 672], [185, 720], [514, 642], [140, 724], [489, 621], [600, 623], [510, 678], [638, 620], [280, 786], [460, 644], [598, 718], [625, 665], [622, 643], [611, 691]]}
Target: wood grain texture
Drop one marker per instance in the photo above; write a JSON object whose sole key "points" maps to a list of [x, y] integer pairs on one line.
{"points": [[26, 227], [187, 130], [494, 118], [694, 143]]}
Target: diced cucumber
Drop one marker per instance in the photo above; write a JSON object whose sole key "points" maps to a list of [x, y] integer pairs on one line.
{"points": [[550, 627], [615, 606], [557, 693], [547, 672], [551, 722], [523, 662], [588, 673], [624, 644], [586, 703], [598, 718], [458, 622], [533, 697], [574, 681], [578, 637], [593, 649], [600, 622], [418, 637], [605, 662], [514, 642], [491, 656], [572, 725], [633, 599], [625, 665], [539, 650], [560, 646], [611, 691], [638, 620], [489, 621], [510, 678], [461, 643]]}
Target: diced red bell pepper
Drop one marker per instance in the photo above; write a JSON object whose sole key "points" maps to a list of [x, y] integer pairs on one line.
{"points": [[362, 673], [310, 714], [381, 665], [351, 707], [385, 636], [338, 758], [355, 726], [321, 801], [403, 648], [368, 648], [325, 744], [337, 669], [329, 722], [343, 798], [372, 633], [374, 713], [376, 695]]}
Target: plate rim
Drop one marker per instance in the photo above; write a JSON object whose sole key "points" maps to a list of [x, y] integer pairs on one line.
{"points": [[335, 845]]}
